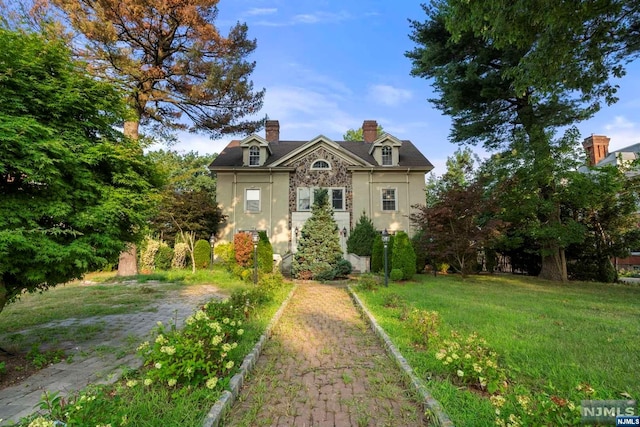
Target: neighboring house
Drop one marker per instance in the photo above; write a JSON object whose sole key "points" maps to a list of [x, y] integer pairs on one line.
{"points": [[597, 147], [268, 183]]}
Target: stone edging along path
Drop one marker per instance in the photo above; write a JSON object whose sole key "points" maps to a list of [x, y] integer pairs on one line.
{"points": [[433, 410], [217, 411]]}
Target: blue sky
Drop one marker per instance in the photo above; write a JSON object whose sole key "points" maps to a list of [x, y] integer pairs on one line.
{"points": [[327, 65]]}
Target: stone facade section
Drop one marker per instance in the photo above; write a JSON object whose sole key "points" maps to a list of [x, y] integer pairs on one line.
{"points": [[337, 176]]}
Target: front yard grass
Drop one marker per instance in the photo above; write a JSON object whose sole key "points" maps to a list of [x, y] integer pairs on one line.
{"points": [[550, 337]]}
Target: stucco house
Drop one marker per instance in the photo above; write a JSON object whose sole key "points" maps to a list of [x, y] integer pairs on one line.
{"points": [[268, 183]]}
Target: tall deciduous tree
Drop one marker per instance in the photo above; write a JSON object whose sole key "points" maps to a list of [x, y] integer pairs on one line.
{"points": [[73, 190], [477, 87], [188, 198], [605, 202], [459, 225]]}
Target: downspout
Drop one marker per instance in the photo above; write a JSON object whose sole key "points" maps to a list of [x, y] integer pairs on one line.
{"points": [[270, 204], [235, 201], [408, 204], [370, 213]]}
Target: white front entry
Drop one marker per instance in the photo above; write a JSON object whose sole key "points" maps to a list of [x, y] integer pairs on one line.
{"points": [[342, 219]]}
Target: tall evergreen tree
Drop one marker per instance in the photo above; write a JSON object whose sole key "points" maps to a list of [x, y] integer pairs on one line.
{"points": [[319, 246], [477, 87], [360, 242], [404, 257]]}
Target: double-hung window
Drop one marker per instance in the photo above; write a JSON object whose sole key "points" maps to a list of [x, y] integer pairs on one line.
{"points": [[305, 198], [254, 156], [387, 156], [252, 200], [337, 198], [389, 199], [305, 195]]}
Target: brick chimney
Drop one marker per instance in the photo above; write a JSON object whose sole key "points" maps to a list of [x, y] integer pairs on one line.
{"points": [[369, 131], [597, 147], [272, 130]]}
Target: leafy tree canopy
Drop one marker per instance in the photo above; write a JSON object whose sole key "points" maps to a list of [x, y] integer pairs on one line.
{"points": [[358, 134], [571, 46], [73, 190]]}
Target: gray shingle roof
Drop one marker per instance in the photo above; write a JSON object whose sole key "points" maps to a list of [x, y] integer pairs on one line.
{"points": [[231, 156]]}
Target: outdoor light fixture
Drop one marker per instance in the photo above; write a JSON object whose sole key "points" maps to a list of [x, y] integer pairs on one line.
{"points": [[296, 231], [385, 242], [212, 241], [344, 231], [255, 237]]}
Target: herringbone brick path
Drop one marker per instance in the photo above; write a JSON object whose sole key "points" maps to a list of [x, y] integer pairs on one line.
{"points": [[324, 367]]}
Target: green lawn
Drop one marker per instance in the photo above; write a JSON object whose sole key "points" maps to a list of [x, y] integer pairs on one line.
{"points": [[550, 337]]}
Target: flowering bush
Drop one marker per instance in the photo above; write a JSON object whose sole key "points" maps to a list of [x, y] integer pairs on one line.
{"points": [[425, 323], [196, 354], [472, 362], [521, 407]]}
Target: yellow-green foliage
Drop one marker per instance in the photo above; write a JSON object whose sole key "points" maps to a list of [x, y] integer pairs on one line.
{"points": [[202, 254]]}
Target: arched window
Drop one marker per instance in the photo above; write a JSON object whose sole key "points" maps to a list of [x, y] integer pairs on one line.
{"points": [[254, 156], [320, 164], [387, 156]]}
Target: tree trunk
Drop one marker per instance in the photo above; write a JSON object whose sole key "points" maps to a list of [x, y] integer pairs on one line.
{"points": [[3, 296], [128, 265], [554, 265]]}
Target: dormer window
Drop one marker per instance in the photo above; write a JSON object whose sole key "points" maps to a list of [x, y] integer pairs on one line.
{"points": [[321, 164], [387, 156], [254, 155]]}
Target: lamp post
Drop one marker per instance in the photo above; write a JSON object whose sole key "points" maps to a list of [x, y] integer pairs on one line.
{"points": [[212, 241], [255, 237], [385, 242]]}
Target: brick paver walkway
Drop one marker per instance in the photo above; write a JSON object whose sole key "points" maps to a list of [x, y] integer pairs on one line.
{"points": [[323, 366]]}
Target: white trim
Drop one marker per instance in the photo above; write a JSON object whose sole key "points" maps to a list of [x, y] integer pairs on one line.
{"points": [[330, 197], [395, 199], [315, 168], [257, 148], [322, 141]]}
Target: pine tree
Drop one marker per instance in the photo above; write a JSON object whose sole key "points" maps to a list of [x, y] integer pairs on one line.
{"points": [[265, 253], [319, 246], [360, 241]]}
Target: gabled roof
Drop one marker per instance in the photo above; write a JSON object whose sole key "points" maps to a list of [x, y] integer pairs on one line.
{"points": [[255, 140], [317, 142], [385, 139], [357, 151]]}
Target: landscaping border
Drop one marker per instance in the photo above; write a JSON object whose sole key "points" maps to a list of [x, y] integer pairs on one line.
{"points": [[217, 411], [432, 407]]}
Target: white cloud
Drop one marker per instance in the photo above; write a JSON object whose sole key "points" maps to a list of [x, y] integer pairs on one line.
{"points": [[261, 11], [308, 19], [320, 17], [304, 113], [389, 95], [622, 132]]}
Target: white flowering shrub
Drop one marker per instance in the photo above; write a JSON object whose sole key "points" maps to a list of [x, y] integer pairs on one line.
{"points": [[196, 354], [148, 253], [180, 251], [472, 362], [202, 352]]}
